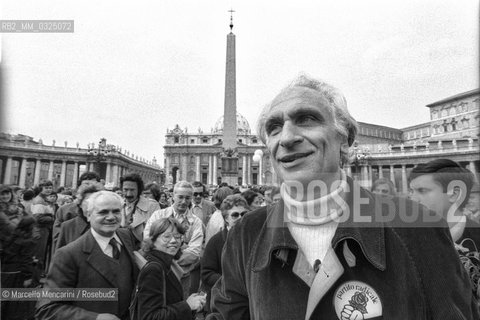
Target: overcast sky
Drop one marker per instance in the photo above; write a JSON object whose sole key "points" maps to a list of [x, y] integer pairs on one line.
{"points": [[132, 69]]}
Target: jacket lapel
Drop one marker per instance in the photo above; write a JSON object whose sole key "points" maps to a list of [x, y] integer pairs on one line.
{"points": [[330, 271], [127, 242], [81, 226], [140, 213], [97, 259]]}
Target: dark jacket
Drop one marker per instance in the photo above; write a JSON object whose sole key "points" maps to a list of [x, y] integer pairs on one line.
{"points": [[19, 250], [388, 269], [153, 302], [468, 248], [64, 213], [71, 230], [212, 262], [16, 267]]}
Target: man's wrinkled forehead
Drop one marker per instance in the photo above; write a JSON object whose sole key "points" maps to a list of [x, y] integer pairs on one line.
{"points": [[112, 200], [183, 191], [300, 96]]}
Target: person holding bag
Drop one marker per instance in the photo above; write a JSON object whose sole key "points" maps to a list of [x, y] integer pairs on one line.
{"points": [[159, 293]]}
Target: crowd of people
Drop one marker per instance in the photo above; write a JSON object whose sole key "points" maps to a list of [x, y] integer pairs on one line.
{"points": [[317, 246], [38, 226]]}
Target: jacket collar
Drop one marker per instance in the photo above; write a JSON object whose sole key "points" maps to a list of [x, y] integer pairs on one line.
{"points": [[170, 211], [200, 205], [143, 203], [276, 238], [159, 256]]}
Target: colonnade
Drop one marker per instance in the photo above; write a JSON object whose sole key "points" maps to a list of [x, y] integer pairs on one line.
{"points": [[366, 174], [249, 168], [113, 171]]}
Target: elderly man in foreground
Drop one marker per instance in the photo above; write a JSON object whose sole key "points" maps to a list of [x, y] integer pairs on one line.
{"points": [[331, 249], [100, 258]]}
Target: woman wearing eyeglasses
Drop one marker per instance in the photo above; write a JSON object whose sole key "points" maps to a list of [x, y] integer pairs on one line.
{"points": [[159, 292], [233, 208]]}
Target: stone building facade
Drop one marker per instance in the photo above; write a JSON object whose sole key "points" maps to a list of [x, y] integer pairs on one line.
{"points": [[25, 162], [197, 156], [379, 151]]}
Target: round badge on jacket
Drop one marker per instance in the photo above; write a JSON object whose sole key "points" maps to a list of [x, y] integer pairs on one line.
{"points": [[356, 300]]}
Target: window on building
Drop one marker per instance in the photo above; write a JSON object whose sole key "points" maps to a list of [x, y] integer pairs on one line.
{"points": [[240, 140], [176, 140], [192, 140], [451, 111], [205, 140], [219, 140], [254, 140]]}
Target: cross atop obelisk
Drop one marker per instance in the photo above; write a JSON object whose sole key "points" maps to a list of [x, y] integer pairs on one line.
{"points": [[231, 18]]}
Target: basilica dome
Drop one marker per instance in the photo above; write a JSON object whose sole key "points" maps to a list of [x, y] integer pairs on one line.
{"points": [[242, 125]]}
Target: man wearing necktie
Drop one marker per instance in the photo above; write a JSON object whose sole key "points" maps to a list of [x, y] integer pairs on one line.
{"points": [[100, 258]]}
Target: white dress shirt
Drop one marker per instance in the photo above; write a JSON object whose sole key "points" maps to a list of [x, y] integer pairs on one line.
{"points": [[104, 243]]}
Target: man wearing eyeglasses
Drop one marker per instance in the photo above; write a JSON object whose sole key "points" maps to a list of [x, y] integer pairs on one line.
{"points": [[181, 210], [233, 208], [202, 208]]}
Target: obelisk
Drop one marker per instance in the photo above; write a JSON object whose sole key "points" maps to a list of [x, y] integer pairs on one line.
{"points": [[229, 140]]}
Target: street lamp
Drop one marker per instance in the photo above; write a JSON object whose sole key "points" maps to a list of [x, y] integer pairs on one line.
{"points": [[257, 156], [359, 157], [98, 154]]}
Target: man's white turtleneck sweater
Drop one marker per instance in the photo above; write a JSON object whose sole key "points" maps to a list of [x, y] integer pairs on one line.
{"points": [[313, 223]]}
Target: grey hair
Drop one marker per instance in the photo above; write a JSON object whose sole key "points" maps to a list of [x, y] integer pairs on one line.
{"points": [[182, 184], [92, 199], [344, 123]]}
